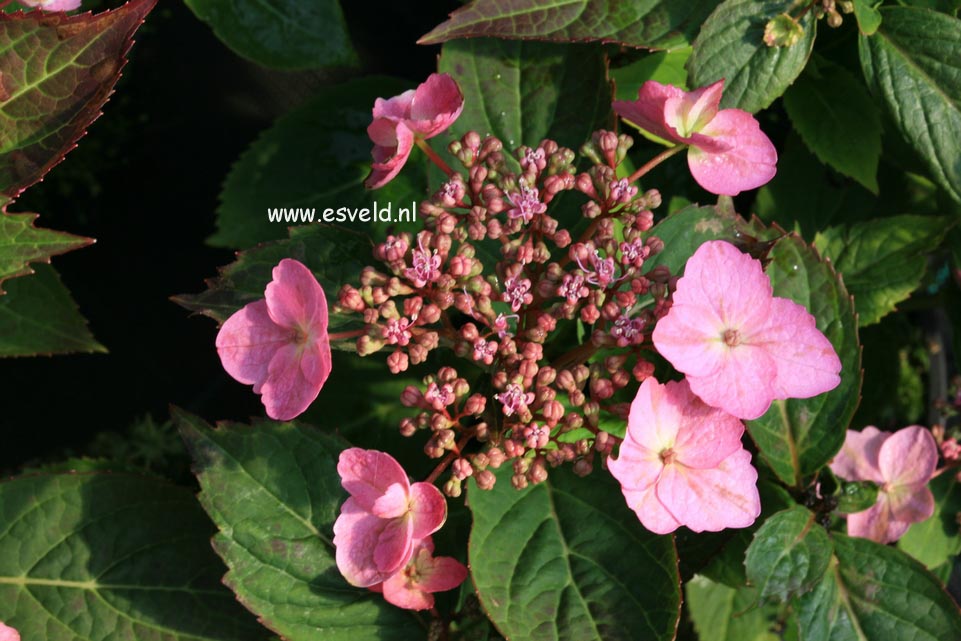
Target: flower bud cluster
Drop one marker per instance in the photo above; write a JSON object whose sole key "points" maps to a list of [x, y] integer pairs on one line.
{"points": [[556, 324]]}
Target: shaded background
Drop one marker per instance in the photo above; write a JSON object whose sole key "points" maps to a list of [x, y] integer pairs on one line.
{"points": [[144, 182]]}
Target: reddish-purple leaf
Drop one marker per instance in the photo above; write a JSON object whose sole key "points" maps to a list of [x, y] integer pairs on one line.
{"points": [[58, 71], [661, 24]]}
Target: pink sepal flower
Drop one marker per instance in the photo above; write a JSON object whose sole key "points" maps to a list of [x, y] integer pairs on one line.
{"points": [[739, 345], [412, 588], [728, 151], [51, 5], [280, 345], [8, 634], [682, 463], [417, 113], [901, 464], [384, 516]]}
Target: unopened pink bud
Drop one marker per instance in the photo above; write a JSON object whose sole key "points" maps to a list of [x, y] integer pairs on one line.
{"points": [[495, 457], [461, 469], [485, 480]]}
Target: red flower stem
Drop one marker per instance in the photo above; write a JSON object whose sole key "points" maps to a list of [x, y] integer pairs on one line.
{"points": [[437, 160], [342, 335], [454, 453], [655, 161]]}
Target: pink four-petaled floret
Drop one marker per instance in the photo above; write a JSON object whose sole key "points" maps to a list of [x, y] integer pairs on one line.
{"points": [[682, 463], [417, 113], [739, 345], [383, 518], [728, 151], [413, 586], [280, 344], [51, 5], [901, 463]]}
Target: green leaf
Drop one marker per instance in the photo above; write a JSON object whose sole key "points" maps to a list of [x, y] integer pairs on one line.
{"points": [[335, 256], [523, 92], [789, 554], [838, 121], [722, 613], [937, 540], [807, 196], [798, 436], [856, 497], [21, 244], [913, 62], [58, 72], [281, 34], [882, 261], [548, 562], [731, 46], [652, 24], [873, 591], [274, 493], [111, 556], [687, 229], [38, 316], [316, 157], [868, 17], [665, 67]]}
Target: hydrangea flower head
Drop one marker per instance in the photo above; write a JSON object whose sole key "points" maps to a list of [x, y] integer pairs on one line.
{"points": [[417, 113], [280, 344], [383, 518], [412, 587], [8, 634], [682, 463], [51, 5], [728, 151], [901, 463], [739, 345]]}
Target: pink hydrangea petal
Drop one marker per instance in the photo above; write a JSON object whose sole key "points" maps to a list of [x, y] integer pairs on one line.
{"points": [[437, 103], [400, 591], [428, 509], [807, 364], [389, 158], [912, 502], [396, 108], [647, 112], [369, 549], [635, 466], [690, 338], [743, 385], [908, 457], [858, 458], [707, 435], [8, 634], [316, 361], [247, 342], [368, 474], [655, 415], [877, 523], [650, 511], [690, 112], [730, 282], [443, 573], [51, 5], [394, 545], [287, 392], [393, 503], [712, 499], [295, 299], [749, 163]]}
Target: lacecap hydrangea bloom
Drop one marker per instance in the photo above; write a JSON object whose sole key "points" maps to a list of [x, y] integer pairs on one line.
{"points": [[682, 463], [901, 463], [740, 346], [420, 113], [728, 153], [280, 344], [385, 516]]}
